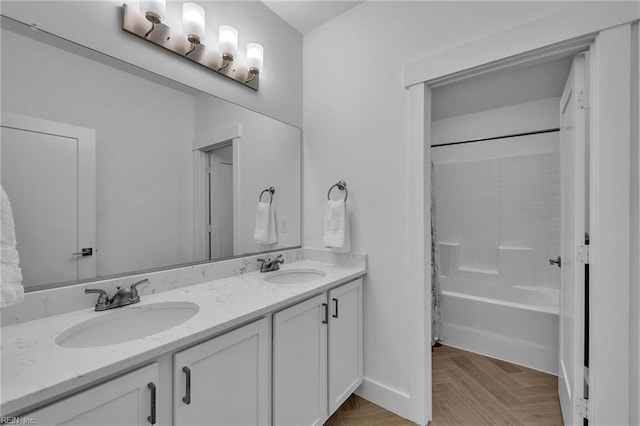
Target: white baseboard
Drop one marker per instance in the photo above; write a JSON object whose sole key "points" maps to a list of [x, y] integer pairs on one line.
{"points": [[388, 398]]}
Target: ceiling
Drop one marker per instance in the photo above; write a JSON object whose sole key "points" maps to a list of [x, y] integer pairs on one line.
{"points": [[305, 15], [498, 89], [502, 88]]}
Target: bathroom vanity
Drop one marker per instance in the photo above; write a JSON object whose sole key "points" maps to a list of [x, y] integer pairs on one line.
{"points": [[283, 347]]}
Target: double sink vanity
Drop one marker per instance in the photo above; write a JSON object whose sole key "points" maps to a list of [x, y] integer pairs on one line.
{"points": [[282, 347]]}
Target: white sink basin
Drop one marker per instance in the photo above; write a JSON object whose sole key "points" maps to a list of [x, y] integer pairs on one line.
{"points": [[126, 323], [294, 276]]}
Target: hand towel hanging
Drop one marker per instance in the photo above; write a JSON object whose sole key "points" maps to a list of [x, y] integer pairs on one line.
{"points": [[265, 229], [336, 233], [12, 291]]}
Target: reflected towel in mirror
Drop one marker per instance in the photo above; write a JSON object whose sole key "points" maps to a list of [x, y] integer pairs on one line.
{"points": [[335, 234], [11, 288], [265, 230]]}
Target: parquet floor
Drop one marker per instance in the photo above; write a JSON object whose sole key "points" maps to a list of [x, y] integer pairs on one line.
{"points": [[360, 412], [471, 389]]}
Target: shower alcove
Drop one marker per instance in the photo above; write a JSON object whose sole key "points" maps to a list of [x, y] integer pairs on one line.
{"points": [[495, 153]]}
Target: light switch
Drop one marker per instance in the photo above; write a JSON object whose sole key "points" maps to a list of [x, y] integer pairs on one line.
{"points": [[282, 226]]}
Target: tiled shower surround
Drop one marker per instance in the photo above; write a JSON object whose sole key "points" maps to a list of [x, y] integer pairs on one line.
{"points": [[499, 220]]}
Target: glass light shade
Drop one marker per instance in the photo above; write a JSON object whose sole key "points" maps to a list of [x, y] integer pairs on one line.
{"points": [[228, 41], [154, 8], [255, 56], [193, 21]]}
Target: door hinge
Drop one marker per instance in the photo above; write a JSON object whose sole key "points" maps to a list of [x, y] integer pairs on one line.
{"points": [[209, 228], [209, 169], [586, 382], [582, 407], [582, 254], [583, 100]]}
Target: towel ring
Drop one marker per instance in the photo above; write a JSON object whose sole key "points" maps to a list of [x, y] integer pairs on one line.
{"points": [[270, 190], [341, 185]]}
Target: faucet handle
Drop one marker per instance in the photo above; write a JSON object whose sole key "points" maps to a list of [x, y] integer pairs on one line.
{"points": [[263, 266], [102, 299], [134, 291]]}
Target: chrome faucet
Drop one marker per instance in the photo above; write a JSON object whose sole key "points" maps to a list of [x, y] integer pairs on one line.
{"points": [[270, 265], [122, 297]]}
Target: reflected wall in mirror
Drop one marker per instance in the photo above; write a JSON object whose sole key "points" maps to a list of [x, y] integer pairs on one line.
{"points": [[144, 171]]}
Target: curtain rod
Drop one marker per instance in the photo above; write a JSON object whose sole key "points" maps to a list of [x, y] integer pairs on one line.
{"points": [[537, 132]]}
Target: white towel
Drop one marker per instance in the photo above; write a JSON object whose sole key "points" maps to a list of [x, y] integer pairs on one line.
{"points": [[11, 288], [335, 234], [265, 230]]}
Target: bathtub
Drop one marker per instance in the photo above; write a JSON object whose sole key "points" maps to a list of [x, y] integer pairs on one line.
{"points": [[518, 324]]}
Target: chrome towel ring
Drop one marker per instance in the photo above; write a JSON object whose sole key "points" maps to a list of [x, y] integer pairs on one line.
{"points": [[341, 185], [270, 190]]}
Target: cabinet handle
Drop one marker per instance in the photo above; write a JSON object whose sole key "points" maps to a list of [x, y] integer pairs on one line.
{"points": [[326, 313], [152, 418], [187, 398], [335, 305]]}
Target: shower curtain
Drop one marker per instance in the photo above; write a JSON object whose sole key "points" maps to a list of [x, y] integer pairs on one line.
{"points": [[436, 291]]}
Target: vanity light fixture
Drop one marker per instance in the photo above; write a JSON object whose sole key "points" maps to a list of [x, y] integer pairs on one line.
{"points": [[148, 23]]}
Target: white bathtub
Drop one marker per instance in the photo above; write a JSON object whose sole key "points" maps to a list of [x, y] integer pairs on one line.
{"points": [[518, 324]]}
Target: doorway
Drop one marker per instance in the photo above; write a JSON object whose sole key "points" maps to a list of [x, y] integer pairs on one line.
{"points": [[220, 229], [611, 73], [501, 171]]}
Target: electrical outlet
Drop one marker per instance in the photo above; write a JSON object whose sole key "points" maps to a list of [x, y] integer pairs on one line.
{"points": [[282, 226]]}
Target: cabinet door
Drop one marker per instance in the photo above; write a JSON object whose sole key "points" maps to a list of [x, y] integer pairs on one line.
{"points": [[127, 400], [224, 381], [345, 342], [300, 364]]}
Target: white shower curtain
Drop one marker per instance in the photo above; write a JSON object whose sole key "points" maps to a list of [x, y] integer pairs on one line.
{"points": [[436, 291]]}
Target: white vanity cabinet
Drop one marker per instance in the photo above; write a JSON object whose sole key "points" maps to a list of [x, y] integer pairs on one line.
{"points": [[125, 401], [294, 366], [225, 380], [300, 363], [345, 342], [317, 355]]}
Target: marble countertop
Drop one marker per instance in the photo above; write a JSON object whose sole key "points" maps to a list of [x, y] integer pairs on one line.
{"points": [[36, 369]]}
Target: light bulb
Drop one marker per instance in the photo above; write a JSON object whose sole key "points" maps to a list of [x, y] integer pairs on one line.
{"points": [[154, 10], [193, 22], [228, 42], [255, 57]]}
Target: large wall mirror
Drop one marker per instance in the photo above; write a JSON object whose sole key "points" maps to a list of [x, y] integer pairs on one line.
{"points": [[111, 169]]}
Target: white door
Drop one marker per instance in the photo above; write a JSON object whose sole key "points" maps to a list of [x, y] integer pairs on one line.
{"points": [[300, 364], [126, 401], [48, 172], [224, 381], [573, 137], [221, 202], [345, 342]]}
